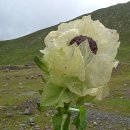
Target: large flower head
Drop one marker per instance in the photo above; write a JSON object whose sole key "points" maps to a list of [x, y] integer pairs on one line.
{"points": [[79, 57]]}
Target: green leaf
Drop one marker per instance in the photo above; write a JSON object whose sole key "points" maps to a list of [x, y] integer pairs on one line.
{"points": [[66, 121], [41, 65], [81, 119], [57, 121], [61, 121], [54, 95]]}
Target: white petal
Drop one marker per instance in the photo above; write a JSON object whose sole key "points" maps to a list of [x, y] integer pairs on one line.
{"points": [[79, 24], [66, 61], [50, 39], [56, 39], [65, 37], [99, 71], [106, 39], [108, 50], [92, 71]]}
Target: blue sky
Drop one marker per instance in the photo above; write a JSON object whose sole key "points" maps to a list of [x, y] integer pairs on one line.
{"points": [[21, 17]]}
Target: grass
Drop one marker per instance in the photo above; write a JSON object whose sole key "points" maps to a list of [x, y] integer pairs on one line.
{"points": [[16, 90], [116, 105], [124, 52], [17, 86], [24, 49]]}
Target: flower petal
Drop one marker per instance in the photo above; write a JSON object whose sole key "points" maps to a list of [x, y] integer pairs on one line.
{"points": [[58, 39], [75, 68], [99, 71], [66, 61]]}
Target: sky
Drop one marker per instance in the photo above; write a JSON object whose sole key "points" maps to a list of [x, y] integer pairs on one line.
{"points": [[22, 17]]}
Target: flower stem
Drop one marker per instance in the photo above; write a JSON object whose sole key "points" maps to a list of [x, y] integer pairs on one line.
{"points": [[61, 120]]}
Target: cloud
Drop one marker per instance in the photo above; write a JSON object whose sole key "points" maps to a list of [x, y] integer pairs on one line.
{"points": [[20, 17]]}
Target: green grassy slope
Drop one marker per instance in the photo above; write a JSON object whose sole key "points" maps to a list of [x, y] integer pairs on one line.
{"points": [[22, 50]]}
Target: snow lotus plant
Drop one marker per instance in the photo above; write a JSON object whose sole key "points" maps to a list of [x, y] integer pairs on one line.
{"points": [[77, 62]]}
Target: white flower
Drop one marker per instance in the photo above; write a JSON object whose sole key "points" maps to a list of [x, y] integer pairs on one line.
{"points": [[79, 69]]}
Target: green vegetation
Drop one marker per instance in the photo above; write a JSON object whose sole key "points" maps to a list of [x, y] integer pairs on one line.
{"points": [[18, 92], [15, 86], [24, 49]]}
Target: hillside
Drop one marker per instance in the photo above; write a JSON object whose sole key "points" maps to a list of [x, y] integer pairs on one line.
{"points": [[22, 50]]}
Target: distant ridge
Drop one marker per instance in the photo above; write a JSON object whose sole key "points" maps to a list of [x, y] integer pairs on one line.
{"points": [[22, 50]]}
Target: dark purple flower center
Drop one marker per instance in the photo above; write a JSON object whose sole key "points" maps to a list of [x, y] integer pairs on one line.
{"points": [[81, 38]]}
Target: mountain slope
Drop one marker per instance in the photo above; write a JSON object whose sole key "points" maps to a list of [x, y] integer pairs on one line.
{"points": [[22, 50]]}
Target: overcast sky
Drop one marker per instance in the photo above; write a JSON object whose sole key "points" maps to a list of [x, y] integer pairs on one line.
{"points": [[21, 17]]}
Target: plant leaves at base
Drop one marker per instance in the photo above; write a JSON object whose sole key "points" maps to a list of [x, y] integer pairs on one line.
{"points": [[80, 121], [57, 120], [61, 121]]}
